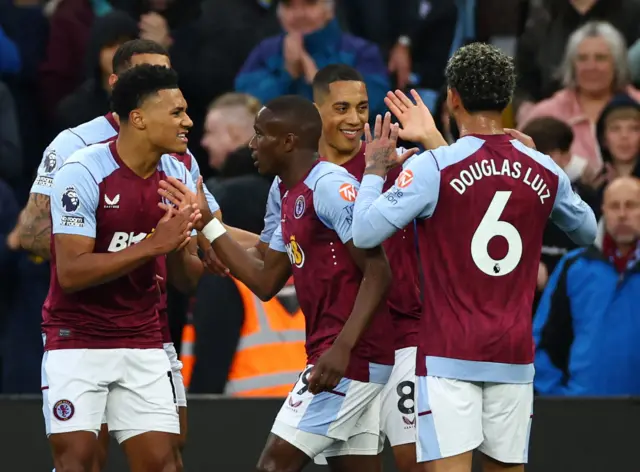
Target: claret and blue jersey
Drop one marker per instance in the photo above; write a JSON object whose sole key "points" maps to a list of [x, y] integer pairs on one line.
{"points": [[482, 205], [315, 226], [94, 194]]}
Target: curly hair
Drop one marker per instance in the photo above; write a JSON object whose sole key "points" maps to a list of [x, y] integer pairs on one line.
{"points": [[483, 76]]}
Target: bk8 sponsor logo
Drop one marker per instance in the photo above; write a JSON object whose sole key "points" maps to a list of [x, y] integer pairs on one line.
{"points": [[122, 240]]}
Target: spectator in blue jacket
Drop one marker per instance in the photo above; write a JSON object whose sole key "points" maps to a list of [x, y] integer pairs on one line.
{"points": [[587, 325], [286, 64]]}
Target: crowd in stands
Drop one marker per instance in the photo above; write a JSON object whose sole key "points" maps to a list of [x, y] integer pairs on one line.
{"points": [[578, 64]]}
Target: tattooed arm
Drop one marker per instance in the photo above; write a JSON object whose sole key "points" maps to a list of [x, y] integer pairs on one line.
{"points": [[35, 230]]}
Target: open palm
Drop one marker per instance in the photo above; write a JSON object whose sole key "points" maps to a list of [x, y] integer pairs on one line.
{"points": [[415, 118]]}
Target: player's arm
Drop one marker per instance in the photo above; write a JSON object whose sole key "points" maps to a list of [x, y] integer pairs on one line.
{"points": [[271, 222], [184, 268], [572, 215], [378, 215], [35, 230], [264, 278], [74, 230], [337, 213]]}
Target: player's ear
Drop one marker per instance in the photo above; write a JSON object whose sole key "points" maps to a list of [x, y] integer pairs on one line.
{"points": [[453, 100], [113, 78], [289, 142], [136, 118]]}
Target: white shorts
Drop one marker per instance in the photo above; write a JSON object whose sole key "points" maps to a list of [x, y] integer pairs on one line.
{"points": [[134, 387], [397, 417], [176, 371], [456, 416], [339, 423]]}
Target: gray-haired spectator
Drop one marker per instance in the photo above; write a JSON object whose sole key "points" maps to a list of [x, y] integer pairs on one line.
{"points": [[594, 69], [549, 23]]}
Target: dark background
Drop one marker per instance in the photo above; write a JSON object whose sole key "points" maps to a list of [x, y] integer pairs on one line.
{"points": [[227, 435]]}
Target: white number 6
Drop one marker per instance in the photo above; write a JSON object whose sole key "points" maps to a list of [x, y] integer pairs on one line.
{"points": [[490, 227]]}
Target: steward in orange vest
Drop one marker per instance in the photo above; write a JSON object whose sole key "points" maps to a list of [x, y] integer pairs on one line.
{"points": [[270, 354]]}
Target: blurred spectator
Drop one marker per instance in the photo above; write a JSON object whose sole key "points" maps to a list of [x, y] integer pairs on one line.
{"points": [[62, 71], [424, 44], [10, 62], [228, 126], [91, 99], [618, 131], [207, 65], [286, 64], [587, 327], [548, 27], [552, 137], [23, 21], [10, 143], [594, 69]]}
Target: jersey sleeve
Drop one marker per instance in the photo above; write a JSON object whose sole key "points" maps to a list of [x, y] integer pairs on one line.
{"points": [[74, 200], [272, 213], [572, 215], [333, 199], [54, 156], [277, 243], [195, 173], [414, 195]]}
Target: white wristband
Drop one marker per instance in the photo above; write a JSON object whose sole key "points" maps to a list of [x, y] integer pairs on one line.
{"points": [[213, 230]]}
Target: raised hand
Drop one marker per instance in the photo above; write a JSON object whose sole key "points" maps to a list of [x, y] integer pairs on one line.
{"points": [[520, 136], [173, 231], [415, 118], [380, 152], [176, 192]]}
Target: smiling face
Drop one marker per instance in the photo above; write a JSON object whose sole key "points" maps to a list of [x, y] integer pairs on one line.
{"points": [[594, 66], [165, 120], [344, 112]]}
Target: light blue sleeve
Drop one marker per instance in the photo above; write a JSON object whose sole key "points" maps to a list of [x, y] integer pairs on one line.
{"points": [[195, 173], [333, 199], [572, 215], [414, 195], [54, 156], [277, 243], [74, 200], [272, 213]]}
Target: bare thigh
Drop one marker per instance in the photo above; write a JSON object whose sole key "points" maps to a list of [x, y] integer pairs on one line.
{"points": [[153, 451], [280, 456]]}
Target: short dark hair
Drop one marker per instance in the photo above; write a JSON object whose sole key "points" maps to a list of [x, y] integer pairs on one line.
{"points": [[549, 134], [301, 115], [135, 85], [333, 73], [483, 76], [122, 57]]}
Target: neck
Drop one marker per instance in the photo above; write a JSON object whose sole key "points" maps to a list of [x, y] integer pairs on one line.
{"points": [[334, 155], [300, 164], [139, 156], [591, 97], [625, 248], [625, 169], [480, 123], [583, 6]]}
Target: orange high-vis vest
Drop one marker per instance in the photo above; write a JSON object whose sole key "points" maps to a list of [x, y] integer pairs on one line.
{"points": [[270, 353]]}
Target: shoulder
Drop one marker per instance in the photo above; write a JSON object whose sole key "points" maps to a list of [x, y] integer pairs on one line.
{"points": [[559, 105], [326, 176], [269, 46], [572, 256], [172, 166], [95, 161], [187, 159], [356, 44], [446, 156], [95, 131], [537, 156]]}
